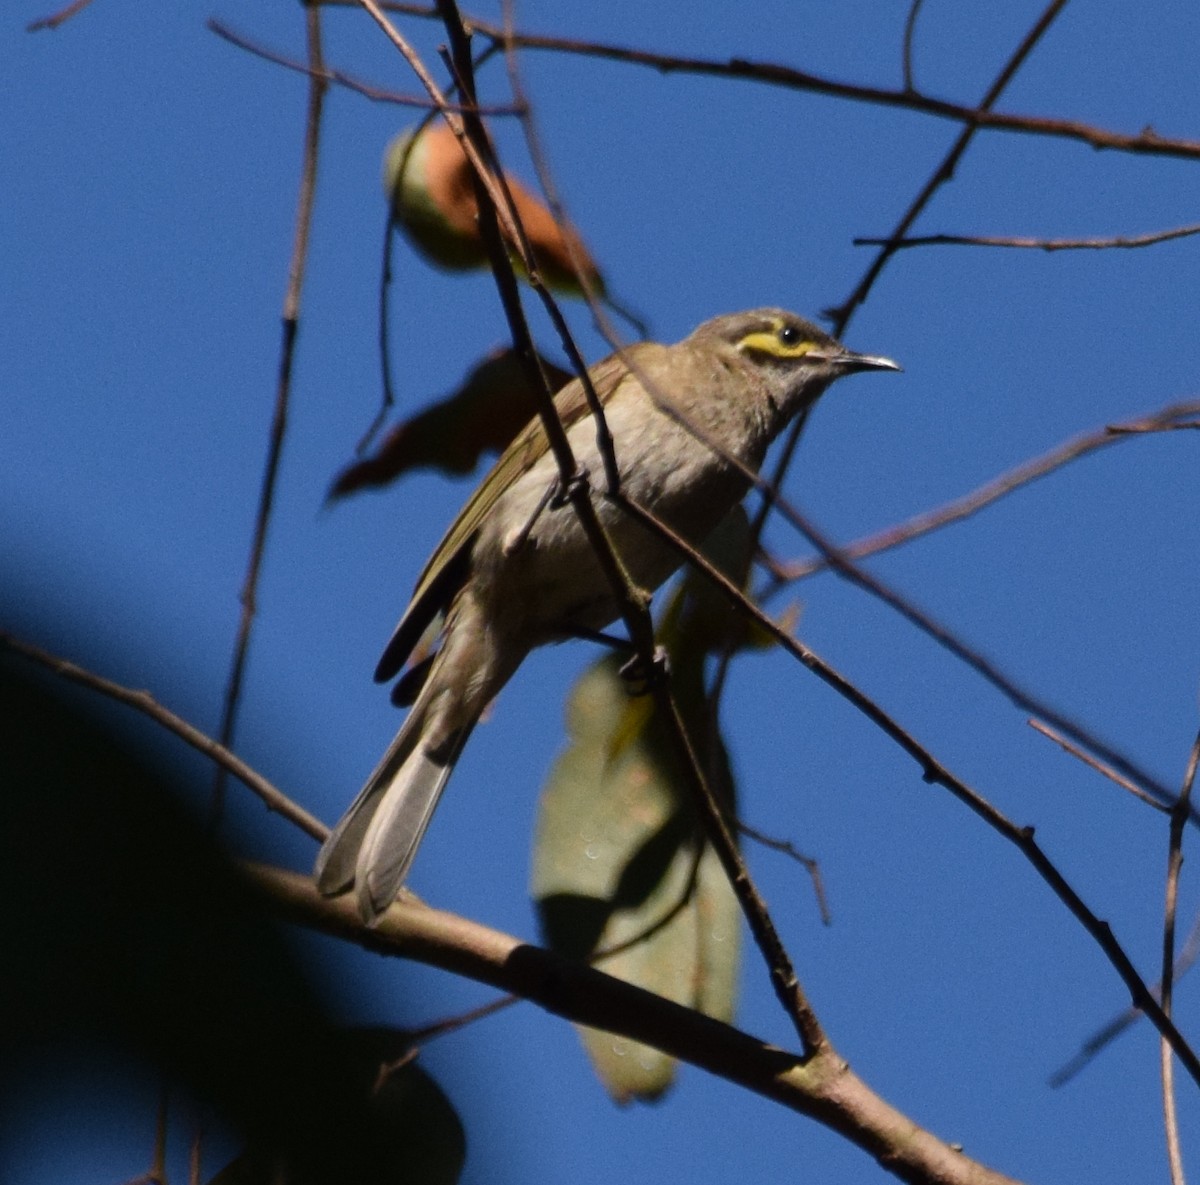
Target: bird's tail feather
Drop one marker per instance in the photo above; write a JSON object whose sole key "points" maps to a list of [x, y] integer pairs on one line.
{"points": [[398, 825], [375, 841], [338, 858]]}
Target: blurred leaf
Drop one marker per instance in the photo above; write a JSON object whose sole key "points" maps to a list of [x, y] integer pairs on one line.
{"points": [[616, 860], [420, 1137], [127, 931], [430, 184], [482, 416]]}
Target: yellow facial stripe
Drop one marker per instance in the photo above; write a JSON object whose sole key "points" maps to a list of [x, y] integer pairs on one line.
{"points": [[764, 342]]}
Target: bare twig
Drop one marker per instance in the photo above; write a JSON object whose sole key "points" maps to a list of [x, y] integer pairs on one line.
{"points": [[291, 315], [1179, 819], [1147, 141], [982, 666], [1106, 771], [945, 170], [495, 207], [451, 1024], [331, 76], [385, 285], [808, 863], [840, 562], [57, 18], [554, 202], [1164, 420], [145, 703], [779, 965], [841, 316], [910, 29], [1146, 240], [1110, 1030], [935, 772]]}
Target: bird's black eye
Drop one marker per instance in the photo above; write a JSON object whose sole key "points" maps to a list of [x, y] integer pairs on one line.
{"points": [[788, 335]]}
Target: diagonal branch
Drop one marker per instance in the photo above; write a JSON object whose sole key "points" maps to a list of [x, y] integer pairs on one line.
{"points": [[945, 170], [934, 771], [1029, 471], [142, 701], [332, 76], [823, 1088]]}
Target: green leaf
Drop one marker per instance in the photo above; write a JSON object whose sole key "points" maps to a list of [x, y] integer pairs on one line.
{"points": [[618, 864]]}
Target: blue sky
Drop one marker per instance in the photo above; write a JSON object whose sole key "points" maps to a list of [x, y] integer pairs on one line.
{"points": [[147, 215]]}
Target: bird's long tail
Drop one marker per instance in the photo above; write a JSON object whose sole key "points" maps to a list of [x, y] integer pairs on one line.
{"points": [[374, 844]]}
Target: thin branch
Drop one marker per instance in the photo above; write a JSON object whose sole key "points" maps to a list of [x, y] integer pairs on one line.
{"points": [[1178, 426], [841, 563], [1145, 142], [945, 170], [57, 18], [1179, 819], [823, 1088], [1146, 240], [934, 771], [1160, 421], [142, 701], [452, 1024], [841, 316], [808, 863], [291, 314], [596, 302], [388, 400], [906, 59], [974, 659], [1106, 771], [1108, 1032], [331, 76], [496, 207]]}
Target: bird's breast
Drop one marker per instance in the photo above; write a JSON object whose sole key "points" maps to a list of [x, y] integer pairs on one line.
{"points": [[533, 557]]}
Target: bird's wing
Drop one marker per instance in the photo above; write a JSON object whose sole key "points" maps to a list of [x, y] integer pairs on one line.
{"points": [[449, 565]]}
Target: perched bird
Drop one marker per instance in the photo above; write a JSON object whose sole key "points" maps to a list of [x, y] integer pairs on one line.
{"points": [[516, 570]]}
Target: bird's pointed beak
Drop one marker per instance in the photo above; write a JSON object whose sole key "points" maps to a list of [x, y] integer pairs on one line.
{"points": [[847, 361]]}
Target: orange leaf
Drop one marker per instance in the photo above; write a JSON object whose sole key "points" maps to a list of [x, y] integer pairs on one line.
{"points": [[482, 416], [430, 184]]}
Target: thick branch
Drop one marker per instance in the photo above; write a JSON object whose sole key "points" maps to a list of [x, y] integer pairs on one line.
{"points": [[824, 1088]]}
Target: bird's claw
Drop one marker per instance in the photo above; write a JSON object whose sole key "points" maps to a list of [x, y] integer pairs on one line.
{"points": [[563, 492], [641, 678]]}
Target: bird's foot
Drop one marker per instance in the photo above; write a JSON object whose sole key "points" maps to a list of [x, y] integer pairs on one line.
{"points": [[562, 492], [641, 677]]}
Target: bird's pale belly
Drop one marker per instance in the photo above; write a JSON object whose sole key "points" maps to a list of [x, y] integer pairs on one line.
{"points": [[553, 584]]}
